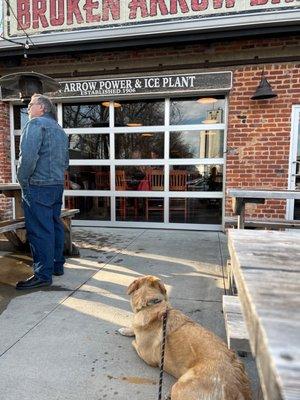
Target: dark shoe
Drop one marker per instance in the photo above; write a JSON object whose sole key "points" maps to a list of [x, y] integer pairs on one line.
{"points": [[58, 273], [32, 283]]}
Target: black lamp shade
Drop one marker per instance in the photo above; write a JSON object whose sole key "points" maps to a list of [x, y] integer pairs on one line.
{"points": [[23, 85], [263, 91]]}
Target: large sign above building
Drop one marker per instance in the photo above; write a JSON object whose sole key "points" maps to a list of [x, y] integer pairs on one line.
{"points": [[142, 86], [45, 16]]}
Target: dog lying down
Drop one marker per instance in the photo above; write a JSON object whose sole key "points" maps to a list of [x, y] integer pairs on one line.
{"points": [[202, 363]]}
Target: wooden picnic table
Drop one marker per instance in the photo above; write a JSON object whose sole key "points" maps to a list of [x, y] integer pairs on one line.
{"points": [[242, 196], [14, 229], [266, 268], [13, 190]]}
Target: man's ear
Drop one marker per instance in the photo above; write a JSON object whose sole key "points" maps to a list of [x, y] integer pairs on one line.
{"points": [[133, 286]]}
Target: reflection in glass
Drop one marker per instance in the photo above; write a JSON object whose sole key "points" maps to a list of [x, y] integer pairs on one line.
{"points": [[17, 146], [20, 116], [200, 178], [91, 208], [297, 182], [140, 177], [297, 210], [87, 177], [85, 115], [91, 146], [195, 211], [140, 209], [196, 144], [189, 111], [139, 145], [138, 113]]}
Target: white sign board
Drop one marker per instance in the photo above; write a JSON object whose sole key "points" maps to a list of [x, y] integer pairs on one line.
{"points": [[45, 16]]}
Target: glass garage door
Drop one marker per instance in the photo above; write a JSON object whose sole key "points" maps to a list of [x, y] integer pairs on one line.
{"points": [[155, 163]]}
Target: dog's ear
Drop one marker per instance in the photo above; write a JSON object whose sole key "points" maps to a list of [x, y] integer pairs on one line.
{"points": [[160, 286], [133, 286]]}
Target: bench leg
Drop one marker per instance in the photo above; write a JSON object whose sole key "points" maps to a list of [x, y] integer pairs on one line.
{"points": [[230, 279], [19, 242], [70, 247]]}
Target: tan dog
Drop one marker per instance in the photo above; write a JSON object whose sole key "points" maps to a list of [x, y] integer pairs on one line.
{"points": [[202, 363]]}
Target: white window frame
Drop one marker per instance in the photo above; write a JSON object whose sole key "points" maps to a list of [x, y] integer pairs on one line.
{"points": [[165, 162], [294, 137]]}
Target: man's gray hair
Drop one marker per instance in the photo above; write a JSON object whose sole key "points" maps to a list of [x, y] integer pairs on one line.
{"points": [[45, 102]]}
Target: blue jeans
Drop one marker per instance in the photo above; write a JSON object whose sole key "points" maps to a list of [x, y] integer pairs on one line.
{"points": [[45, 231]]}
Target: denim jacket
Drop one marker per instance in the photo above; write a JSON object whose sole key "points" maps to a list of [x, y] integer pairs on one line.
{"points": [[44, 154]]}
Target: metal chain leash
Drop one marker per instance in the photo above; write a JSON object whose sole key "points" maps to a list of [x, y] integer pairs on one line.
{"points": [[162, 354]]}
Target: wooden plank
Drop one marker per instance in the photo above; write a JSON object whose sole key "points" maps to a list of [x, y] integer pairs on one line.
{"points": [[237, 334], [12, 226], [265, 223], [69, 212], [9, 186], [266, 266], [264, 193]]}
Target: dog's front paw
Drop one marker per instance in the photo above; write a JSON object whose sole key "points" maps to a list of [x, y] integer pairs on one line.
{"points": [[126, 331]]}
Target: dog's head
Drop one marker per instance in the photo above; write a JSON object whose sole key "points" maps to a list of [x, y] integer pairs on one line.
{"points": [[146, 291]]}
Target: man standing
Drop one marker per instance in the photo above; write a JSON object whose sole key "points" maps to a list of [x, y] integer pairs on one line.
{"points": [[43, 160]]}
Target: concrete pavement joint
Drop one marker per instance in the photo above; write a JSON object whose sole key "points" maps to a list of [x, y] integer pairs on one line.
{"points": [[197, 300], [222, 264]]}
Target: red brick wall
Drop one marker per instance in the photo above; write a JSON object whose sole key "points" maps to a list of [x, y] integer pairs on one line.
{"points": [[5, 166], [258, 145], [258, 142]]}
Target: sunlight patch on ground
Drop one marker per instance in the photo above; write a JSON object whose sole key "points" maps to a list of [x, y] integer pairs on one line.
{"points": [[157, 257], [99, 310], [104, 293]]}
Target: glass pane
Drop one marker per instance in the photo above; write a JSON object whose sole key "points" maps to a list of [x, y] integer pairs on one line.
{"points": [[195, 211], [139, 113], [196, 144], [20, 116], [189, 111], [140, 209], [202, 178], [93, 146], [87, 177], [91, 208], [17, 146], [297, 210], [85, 115], [297, 187], [139, 145], [140, 177]]}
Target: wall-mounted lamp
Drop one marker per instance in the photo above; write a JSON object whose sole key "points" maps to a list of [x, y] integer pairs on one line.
{"points": [[147, 134], [264, 90], [134, 124], [23, 85], [115, 104], [207, 100]]}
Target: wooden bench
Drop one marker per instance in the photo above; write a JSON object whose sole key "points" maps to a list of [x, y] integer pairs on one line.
{"points": [[236, 331], [240, 197], [14, 231], [264, 223]]}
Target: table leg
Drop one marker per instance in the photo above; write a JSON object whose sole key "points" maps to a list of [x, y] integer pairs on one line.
{"points": [[241, 217], [18, 205]]}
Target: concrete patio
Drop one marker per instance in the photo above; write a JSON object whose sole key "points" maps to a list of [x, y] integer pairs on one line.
{"points": [[61, 343]]}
